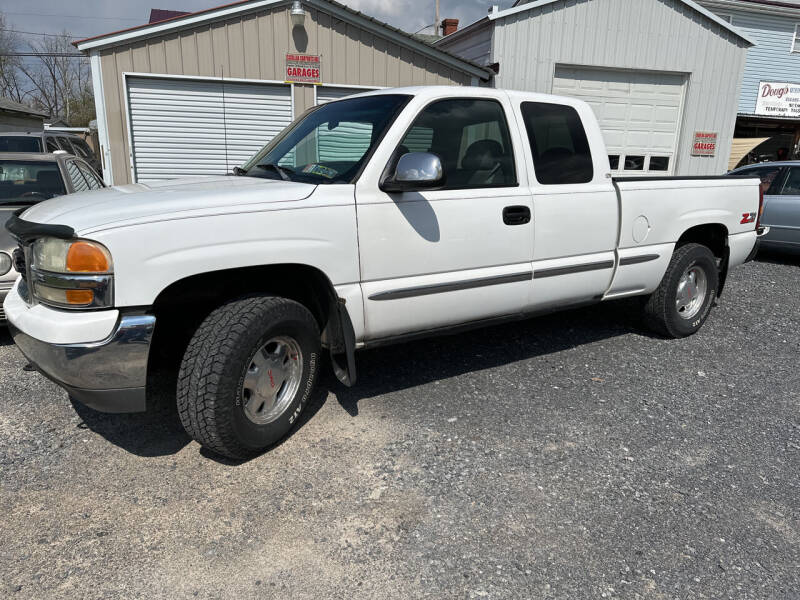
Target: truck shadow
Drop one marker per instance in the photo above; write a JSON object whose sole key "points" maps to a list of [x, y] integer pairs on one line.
{"points": [[777, 257], [158, 432], [395, 368]]}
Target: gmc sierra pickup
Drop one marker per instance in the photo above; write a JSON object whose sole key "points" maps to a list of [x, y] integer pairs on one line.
{"points": [[376, 218]]}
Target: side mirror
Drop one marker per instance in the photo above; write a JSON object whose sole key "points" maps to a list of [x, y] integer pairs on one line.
{"points": [[415, 171]]}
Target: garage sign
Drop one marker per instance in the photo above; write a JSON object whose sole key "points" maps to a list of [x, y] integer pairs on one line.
{"points": [[705, 143], [303, 68], [777, 99]]}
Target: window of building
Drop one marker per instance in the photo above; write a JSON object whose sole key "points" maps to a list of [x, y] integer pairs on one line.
{"points": [[634, 163], [796, 39], [471, 138], [613, 161], [558, 142], [659, 163]]}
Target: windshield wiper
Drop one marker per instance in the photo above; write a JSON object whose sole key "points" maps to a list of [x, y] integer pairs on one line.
{"points": [[282, 171]]}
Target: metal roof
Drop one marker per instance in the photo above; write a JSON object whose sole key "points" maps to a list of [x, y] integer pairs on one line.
{"points": [[330, 6], [9, 105], [518, 8]]}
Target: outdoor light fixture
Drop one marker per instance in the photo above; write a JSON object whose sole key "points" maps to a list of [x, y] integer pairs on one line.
{"points": [[298, 14]]}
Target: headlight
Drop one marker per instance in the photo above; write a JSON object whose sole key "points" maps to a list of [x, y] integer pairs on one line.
{"points": [[72, 273], [71, 256], [5, 263]]}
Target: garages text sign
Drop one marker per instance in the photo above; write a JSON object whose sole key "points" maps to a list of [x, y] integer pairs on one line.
{"points": [[303, 68], [778, 99], [705, 143]]}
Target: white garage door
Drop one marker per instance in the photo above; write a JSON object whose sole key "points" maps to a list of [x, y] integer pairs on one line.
{"points": [[639, 113], [349, 141], [328, 94], [185, 127]]}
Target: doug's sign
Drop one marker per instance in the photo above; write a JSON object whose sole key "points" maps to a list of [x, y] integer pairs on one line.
{"points": [[778, 99]]}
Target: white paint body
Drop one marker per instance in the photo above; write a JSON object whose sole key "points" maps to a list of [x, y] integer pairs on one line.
{"points": [[368, 242]]}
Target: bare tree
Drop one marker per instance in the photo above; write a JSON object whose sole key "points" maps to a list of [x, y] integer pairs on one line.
{"points": [[10, 79], [53, 79]]}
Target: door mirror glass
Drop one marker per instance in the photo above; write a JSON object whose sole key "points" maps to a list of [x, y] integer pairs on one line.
{"points": [[416, 171]]}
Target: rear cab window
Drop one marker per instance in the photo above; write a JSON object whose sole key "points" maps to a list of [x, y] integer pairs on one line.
{"points": [[558, 143], [20, 143]]}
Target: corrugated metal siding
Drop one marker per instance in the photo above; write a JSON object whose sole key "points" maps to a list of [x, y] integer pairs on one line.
{"points": [[654, 35], [475, 45], [254, 46], [329, 94], [771, 59], [185, 127]]}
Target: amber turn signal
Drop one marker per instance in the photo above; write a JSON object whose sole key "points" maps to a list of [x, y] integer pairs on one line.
{"points": [[79, 296], [86, 257]]}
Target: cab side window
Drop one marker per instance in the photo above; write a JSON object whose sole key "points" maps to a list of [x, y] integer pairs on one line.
{"points": [[93, 180], [792, 185], [52, 146], [471, 138], [559, 144], [78, 182]]}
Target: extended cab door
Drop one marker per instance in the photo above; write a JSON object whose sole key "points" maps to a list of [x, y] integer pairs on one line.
{"points": [[576, 214], [462, 253]]}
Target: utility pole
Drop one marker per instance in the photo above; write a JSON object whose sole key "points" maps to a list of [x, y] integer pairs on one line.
{"points": [[437, 24]]}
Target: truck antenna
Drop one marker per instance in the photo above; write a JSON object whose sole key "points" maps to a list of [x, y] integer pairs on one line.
{"points": [[224, 119]]}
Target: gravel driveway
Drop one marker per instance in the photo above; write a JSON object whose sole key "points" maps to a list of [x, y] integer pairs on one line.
{"points": [[570, 456]]}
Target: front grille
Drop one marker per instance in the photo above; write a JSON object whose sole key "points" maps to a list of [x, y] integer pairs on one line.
{"points": [[18, 257], [2, 314]]}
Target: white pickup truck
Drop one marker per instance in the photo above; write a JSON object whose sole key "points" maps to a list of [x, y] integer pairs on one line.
{"points": [[376, 218]]}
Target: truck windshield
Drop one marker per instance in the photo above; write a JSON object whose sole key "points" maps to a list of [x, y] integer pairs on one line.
{"points": [[330, 143], [28, 182]]}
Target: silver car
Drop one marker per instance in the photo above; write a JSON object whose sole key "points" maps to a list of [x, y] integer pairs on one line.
{"points": [[27, 179], [780, 182]]}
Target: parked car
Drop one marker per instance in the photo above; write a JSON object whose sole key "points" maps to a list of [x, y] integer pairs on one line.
{"points": [[780, 182], [374, 219], [49, 141], [27, 179]]}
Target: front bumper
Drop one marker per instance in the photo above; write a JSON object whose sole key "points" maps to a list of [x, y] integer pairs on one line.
{"points": [[109, 375], [5, 288]]}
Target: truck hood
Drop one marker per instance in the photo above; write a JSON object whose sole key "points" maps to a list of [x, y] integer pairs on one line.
{"points": [[140, 203]]}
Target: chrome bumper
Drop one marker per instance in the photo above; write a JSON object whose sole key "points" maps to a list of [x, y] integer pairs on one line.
{"points": [[109, 376]]}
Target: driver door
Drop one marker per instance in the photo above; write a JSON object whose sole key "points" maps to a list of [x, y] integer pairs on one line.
{"points": [[461, 253]]}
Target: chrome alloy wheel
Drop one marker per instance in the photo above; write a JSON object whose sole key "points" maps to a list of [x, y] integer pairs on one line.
{"points": [[692, 290], [272, 379]]}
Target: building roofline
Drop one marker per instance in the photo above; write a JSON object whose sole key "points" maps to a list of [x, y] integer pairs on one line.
{"points": [[756, 6], [332, 7], [11, 106], [457, 34], [690, 3]]}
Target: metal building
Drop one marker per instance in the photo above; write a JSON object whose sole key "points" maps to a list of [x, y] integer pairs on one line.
{"points": [[200, 93], [663, 76]]}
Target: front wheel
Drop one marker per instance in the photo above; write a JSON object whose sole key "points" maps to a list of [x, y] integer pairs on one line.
{"points": [[681, 303], [247, 374]]}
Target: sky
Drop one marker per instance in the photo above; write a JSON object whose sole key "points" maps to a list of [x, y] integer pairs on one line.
{"points": [[86, 18]]}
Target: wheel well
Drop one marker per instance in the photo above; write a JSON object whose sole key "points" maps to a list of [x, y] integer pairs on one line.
{"points": [[713, 235], [182, 306]]}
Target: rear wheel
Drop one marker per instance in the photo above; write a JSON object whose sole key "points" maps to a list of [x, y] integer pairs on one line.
{"points": [[681, 303], [247, 374]]}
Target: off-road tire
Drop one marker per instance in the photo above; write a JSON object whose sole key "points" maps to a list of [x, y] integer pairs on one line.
{"points": [[660, 312], [209, 393]]}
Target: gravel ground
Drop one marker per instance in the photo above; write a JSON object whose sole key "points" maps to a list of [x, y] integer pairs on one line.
{"points": [[570, 456]]}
